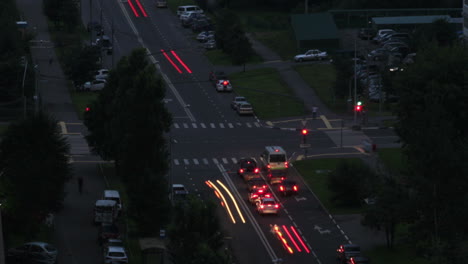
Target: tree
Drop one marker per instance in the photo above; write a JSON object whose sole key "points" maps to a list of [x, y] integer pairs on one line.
{"points": [[432, 126], [34, 166], [80, 64], [350, 183]]}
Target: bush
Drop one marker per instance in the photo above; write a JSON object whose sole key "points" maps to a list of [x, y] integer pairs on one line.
{"points": [[351, 182]]}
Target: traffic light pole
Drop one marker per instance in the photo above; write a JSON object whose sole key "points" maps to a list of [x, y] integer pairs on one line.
{"points": [[355, 81]]}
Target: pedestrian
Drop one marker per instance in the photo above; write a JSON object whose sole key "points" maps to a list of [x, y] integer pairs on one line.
{"points": [[314, 112], [80, 184]]}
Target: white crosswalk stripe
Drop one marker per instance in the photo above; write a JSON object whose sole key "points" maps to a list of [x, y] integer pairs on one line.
{"points": [[248, 125], [221, 125], [194, 125], [217, 125], [195, 161], [212, 125], [205, 161], [176, 162], [209, 161], [234, 160], [230, 125], [257, 124], [186, 162], [202, 125], [225, 161], [176, 125], [185, 125], [215, 161]]}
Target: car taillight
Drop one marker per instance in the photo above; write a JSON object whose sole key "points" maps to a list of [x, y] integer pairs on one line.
{"points": [[276, 205], [340, 250], [282, 178], [262, 206], [267, 195], [225, 83], [268, 166], [286, 164], [295, 188], [256, 170], [254, 196], [281, 188]]}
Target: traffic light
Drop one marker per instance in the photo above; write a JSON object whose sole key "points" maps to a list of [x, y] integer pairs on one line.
{"points": [[87, 109], [358, 106], [304, 132]]}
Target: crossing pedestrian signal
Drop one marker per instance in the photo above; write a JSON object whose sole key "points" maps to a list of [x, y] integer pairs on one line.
{"points": [[304, 132]]}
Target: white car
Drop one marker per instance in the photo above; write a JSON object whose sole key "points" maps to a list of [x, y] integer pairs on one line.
{"points": [[267, 206], [35, 252], [245, 109], [237, 100], [314, 54], [114, 254], [223, 86], [101, 74], [205, 36], [96, 85]]}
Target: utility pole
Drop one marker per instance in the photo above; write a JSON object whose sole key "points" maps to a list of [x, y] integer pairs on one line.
{"points": [[355, 79]]}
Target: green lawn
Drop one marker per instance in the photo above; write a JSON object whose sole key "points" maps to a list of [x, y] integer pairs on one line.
{"points": [[321, 78], [401, 255], [266, 91], [315, 173], [392, 158], [81, 100], [279, 41]]}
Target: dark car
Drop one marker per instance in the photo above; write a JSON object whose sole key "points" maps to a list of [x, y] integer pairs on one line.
{"points": [[200, 25], [32, 252], [107, 231], [276, 176], [358, 260], [346, 251], [258, 183], [214, 76], [248, 169], [94, 25], [288, 187]]}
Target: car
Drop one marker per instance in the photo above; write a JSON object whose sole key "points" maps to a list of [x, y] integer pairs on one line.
{"points": [[33, 252], [366, 33], [108, 231], [258, 194], [223, 86], [276, 176], [245, 108], [256, 183], [288, 187], [237, 100], [203, 24], [381, 33], [247, 167], [105, 43], [204, 36], [214, 76], [113, 242], [95, 85], [101, 74], [358, 260], [161, 3], [188, 8], [267, 206], [346, 251], [114, 254], [210, 44], [179, 191], [188, 18], [313, 54]]}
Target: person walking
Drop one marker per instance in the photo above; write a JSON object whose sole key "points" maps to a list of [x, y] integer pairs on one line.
{"points": [[314, 112], [80, 184]]}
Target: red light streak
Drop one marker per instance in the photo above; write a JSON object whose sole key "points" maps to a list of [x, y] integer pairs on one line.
{"points": [[300, 239], [181, 62], [141, 8], [171, 61], [292, 239], [133, 8]]}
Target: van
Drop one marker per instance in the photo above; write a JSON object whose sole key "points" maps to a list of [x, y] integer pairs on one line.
{"points": [[105, 211], [274, 158], [188, 8], [114, 196]]}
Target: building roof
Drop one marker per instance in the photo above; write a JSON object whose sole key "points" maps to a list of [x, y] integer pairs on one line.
{"points": [[399, 20], [314, 26]]}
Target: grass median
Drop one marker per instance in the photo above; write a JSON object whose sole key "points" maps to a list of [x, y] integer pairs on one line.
{"points": [[315, 173], [267, 92]]}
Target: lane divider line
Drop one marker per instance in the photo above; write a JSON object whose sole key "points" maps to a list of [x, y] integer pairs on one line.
{"points": [[325, 121]]}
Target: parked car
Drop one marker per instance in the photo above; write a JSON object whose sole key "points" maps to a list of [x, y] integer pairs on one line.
{"points": [[223, 86], [179, 191], [237, 100], [267, 206], [258, 194], [245, 109], [114, 254], [32, 252], [381, 33], [346, 251], [188, 8], [113, 242], [210, 44], [104, 43], [95, 85], [188, 18], [288, 187], [366, 33], [101, 74], [205, 36], [313, 54], [200, 25]]}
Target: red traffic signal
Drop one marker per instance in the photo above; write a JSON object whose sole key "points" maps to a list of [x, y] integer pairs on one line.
{"points": [[358, 108], [304, 132], [87, 109]]}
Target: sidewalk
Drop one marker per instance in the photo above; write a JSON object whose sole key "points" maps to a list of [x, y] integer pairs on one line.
{"points": [[74, 236]]}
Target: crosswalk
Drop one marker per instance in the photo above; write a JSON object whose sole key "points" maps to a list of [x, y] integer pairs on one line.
{"points": [[217, 125], [204, 161]]}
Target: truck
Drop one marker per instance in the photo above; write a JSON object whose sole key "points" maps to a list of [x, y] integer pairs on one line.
{"points": [[313, 54]]}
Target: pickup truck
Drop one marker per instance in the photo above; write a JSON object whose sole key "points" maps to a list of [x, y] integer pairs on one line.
{"points": [[311, 55]]}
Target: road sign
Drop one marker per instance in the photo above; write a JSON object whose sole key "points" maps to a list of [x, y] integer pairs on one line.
{"points": [[304, 145]]}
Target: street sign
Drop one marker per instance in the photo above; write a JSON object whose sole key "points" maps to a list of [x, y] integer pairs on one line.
{"points": [[304, 145]]}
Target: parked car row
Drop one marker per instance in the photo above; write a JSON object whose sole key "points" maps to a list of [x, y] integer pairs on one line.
{"points": [[192, 16], [391, 43]]}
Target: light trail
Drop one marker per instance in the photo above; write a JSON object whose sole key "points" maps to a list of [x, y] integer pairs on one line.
{"points": [[181, 62], [223, 200], [300, 239], [133, 8], [233, 200], [292, 239], [171, 61]]}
